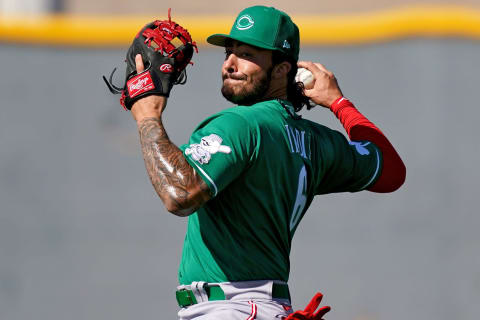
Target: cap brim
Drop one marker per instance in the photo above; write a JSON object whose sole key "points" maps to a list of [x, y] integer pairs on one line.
{"points": [[219, 39]]}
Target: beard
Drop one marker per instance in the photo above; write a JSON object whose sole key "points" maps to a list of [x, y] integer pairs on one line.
{"points": [[249, 91]]}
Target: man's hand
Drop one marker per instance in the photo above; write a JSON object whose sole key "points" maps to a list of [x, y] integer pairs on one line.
{"points": [[325, 90], [150, 106]]}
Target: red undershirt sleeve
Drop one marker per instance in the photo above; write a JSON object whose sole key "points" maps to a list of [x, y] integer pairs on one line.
{"points": [[358, 127]]}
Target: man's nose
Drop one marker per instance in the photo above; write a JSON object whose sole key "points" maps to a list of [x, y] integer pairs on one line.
{"points": [[230, 65]]}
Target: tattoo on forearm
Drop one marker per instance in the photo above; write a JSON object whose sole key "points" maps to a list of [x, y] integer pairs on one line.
{"points": [[171, 175]]}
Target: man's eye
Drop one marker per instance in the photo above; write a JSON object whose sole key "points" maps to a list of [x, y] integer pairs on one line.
{"points": [[246, 54]]}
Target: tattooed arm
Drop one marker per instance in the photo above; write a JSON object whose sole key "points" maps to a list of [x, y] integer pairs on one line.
{"points": [[181, 189]]}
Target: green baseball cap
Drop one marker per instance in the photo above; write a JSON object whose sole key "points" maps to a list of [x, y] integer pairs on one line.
{"points": [[263, 27]]}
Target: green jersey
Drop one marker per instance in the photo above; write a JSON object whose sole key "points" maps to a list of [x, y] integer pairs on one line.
{"points": [[263, 165]]}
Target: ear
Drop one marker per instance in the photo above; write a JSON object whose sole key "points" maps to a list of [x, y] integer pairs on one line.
{"points": [[281, 70]]}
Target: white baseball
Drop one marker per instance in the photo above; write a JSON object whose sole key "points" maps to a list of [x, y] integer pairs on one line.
{"points": [[305, 76]]}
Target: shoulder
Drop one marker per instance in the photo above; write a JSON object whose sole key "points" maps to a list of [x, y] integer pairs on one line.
{"points": [[321, 130], [236, 123], [247, 116], [228, 117]]}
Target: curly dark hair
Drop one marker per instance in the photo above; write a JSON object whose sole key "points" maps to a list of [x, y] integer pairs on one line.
{"points": [[294, 89]]}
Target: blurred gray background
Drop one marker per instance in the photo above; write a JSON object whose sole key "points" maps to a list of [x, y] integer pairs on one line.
{"points": [[83, 235]]}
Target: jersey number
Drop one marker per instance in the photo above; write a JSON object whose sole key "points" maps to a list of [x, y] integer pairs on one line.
{"points": [[301, 199]]}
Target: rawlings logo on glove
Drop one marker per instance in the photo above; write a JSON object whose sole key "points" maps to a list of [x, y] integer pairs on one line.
{"points": [[165, 63], [167, 68], [140, 84]]}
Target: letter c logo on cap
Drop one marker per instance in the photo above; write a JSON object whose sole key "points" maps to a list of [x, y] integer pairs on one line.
{"points": [[245, 22]]}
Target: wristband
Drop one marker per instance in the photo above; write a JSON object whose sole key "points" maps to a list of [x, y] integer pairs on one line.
{"points": [[339, 104]]}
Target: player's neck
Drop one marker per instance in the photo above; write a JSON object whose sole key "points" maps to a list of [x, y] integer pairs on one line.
{"points": [[277, 90]]}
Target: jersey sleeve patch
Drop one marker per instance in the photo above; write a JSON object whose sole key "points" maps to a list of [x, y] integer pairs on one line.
{"points": [[360, 147], [202, 152]]}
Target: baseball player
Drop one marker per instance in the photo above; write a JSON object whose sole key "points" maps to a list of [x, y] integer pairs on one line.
{"points": [[249, 173]]}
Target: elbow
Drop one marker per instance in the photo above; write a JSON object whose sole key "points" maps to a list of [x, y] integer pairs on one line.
{"points": [[179, 207], [185, 200], [390, 181], [179, 212], [184, 203], [401, 178]]}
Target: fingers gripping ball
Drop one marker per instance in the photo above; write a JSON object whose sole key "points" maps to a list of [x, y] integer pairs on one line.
{"points": [[305, 76], [166, 49]]}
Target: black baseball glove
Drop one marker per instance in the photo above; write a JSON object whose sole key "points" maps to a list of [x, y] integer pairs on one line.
{"points": [[164, 61]]}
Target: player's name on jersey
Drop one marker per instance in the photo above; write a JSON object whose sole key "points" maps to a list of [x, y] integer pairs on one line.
{"points": [[297, 141]]}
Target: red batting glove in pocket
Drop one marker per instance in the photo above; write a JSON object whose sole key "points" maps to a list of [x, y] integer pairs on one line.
{"points": [[309, 312]]}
